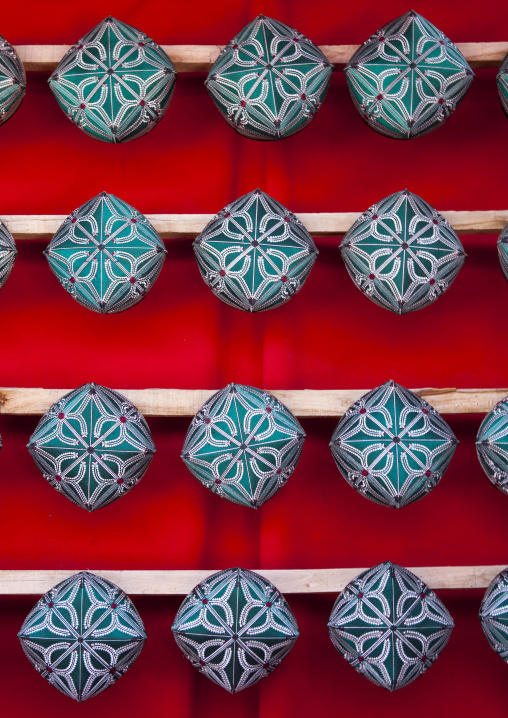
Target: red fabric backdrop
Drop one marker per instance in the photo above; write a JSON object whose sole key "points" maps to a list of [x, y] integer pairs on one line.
{"points": [[329, 336]]}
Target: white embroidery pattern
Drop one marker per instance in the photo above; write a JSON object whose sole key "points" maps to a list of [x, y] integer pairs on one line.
{"points": [[235, 627], [93, 446], [392, 446], [389, 625], [243, 444], [83, 635]]}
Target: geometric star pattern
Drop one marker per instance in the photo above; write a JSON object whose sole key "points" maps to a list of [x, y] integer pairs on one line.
{"points": [[255, 254], [389, 625], [235, 628], [502, 84], [115, 83], [392, 446], [106, 255], [402, 254], [83, 635], [494, 614], [92, 446], [502, 251], [269, 81], [407, 78], [8, 253], [492, 445], [12, 81], [243, 444]]}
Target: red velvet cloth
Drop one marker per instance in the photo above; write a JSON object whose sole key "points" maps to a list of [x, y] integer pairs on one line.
{"points": [[329, 336]]}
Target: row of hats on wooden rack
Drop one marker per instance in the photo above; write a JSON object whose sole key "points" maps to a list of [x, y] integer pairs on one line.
{"points": [[235, 627], [93, 445], [116, 83], [254, 254]]}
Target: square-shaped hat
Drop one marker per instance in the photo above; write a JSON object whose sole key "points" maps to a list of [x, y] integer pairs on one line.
{"points": [[93, 446], [269, 81], [235, 627], [83, 635], [115, 83], [407, 78], [389, 625]]}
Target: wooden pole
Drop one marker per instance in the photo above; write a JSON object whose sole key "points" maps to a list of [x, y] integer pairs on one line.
{"points": [[200, 58], [188, 226], [302, 402], [179, 583]]}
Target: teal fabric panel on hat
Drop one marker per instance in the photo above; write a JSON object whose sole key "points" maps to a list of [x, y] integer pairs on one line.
{"points": [[93, 446], [492, 445], [12, 81], [494, 614], [389, 625], [243, 444], [269, 81], [83, 635], [255, 254], [502, 84], [115, 83], [106, 255], [235, 627], [392, 446], [402, 254], [407, 78], [8, 253]]}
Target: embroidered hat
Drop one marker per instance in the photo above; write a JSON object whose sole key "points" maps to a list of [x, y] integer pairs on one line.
{"points": [[494, 614], [407, 78], [402, 254], [83, 635], [502, 84], [115, 83], [255, 254], [269, 81], [243, 444], [12, 81], [392, 446], [502, 251], [106, 255], [389, 625], [92, 446], [235, 627], [8, 253], [492, 445]]}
